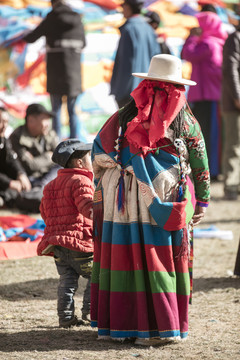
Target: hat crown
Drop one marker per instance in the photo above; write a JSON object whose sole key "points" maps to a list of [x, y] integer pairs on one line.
{"points": [[165, 66], [36, 109]]}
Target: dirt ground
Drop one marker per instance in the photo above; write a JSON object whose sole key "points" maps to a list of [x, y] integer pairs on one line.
{"points": [[28, 319]]}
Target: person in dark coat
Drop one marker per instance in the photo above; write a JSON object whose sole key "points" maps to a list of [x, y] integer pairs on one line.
{"points": [[15, 188], [137, 45], [154, 20], [230, 102], [65, 39]]}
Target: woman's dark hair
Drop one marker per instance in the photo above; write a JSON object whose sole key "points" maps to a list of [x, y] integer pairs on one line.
{"points": [[78, 154], [130, 111], [209, 7], [136, 8], [152, 17], [135, 5], [178, 124], [127, 114]]}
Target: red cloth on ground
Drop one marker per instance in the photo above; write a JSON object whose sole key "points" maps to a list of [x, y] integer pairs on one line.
{"points": [[20, 220], [17, 249]]}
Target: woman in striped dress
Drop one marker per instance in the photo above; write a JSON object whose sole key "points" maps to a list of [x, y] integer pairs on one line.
{"points": [[152, 176]]}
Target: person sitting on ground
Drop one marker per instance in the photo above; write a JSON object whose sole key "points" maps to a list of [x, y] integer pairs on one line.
{"points": [[66, 209], [34, 142], [15, 186]]}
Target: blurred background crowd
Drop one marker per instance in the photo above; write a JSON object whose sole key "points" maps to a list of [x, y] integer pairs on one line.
{"points": [[68, 64], [23, 66]]}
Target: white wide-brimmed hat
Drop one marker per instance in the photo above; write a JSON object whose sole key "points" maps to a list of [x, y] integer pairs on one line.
{"points": [[167, 68]]}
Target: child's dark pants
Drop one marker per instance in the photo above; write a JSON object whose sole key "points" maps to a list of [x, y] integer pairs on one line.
{"points": [[70, 266]]}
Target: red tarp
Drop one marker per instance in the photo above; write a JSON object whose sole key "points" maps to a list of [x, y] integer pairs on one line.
{"points": [[17, 249], [11, 250]]}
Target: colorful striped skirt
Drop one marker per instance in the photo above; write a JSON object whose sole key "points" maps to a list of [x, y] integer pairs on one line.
{"points": [[140, 279]]}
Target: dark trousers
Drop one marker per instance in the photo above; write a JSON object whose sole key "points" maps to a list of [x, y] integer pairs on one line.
{"points": [[70, 266], [77, 129], [27, 201], [45, 178], [208, 115]]}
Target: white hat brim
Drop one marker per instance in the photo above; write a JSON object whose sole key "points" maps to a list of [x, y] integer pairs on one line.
{"points": [[182, 81]]}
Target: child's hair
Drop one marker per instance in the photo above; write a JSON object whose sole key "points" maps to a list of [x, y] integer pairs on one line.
{"points": [[78, 154]]}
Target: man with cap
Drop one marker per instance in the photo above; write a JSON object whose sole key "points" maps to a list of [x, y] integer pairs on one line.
{"points": [[67, 209], [230, 101], [13, 179], [34, 143], [136, 47]]}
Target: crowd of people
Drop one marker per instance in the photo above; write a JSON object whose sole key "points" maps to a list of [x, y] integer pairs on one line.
{"points": [[120, 212], [214, 101]]}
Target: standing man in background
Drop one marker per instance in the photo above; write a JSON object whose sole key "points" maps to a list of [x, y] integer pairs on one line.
{"points": [[231, 115], [154, 20], [137, 45], [65, 39]]}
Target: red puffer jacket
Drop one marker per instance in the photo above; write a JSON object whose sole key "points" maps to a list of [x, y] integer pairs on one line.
{"points": [[66, 209]]}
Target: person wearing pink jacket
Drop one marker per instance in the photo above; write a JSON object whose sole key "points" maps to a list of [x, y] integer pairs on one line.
{"points": [[203, 49]]}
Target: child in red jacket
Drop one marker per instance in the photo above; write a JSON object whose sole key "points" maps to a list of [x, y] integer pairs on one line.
{"points": [[66, 208]]}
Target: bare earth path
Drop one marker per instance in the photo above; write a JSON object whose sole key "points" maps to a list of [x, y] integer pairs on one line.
{"points": [[28, 321]]}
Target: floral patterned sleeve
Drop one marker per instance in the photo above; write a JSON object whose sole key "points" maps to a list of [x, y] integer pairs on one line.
{"points": [[198, 159]]}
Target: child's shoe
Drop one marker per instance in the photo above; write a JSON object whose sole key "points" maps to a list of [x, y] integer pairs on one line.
{"points": [[86, 318], [72, 322]]}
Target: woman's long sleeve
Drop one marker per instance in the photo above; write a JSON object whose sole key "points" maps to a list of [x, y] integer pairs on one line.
{"points": [[198, 159]]}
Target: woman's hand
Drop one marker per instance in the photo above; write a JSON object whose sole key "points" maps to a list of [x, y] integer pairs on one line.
{"points": [[198, 215]]}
